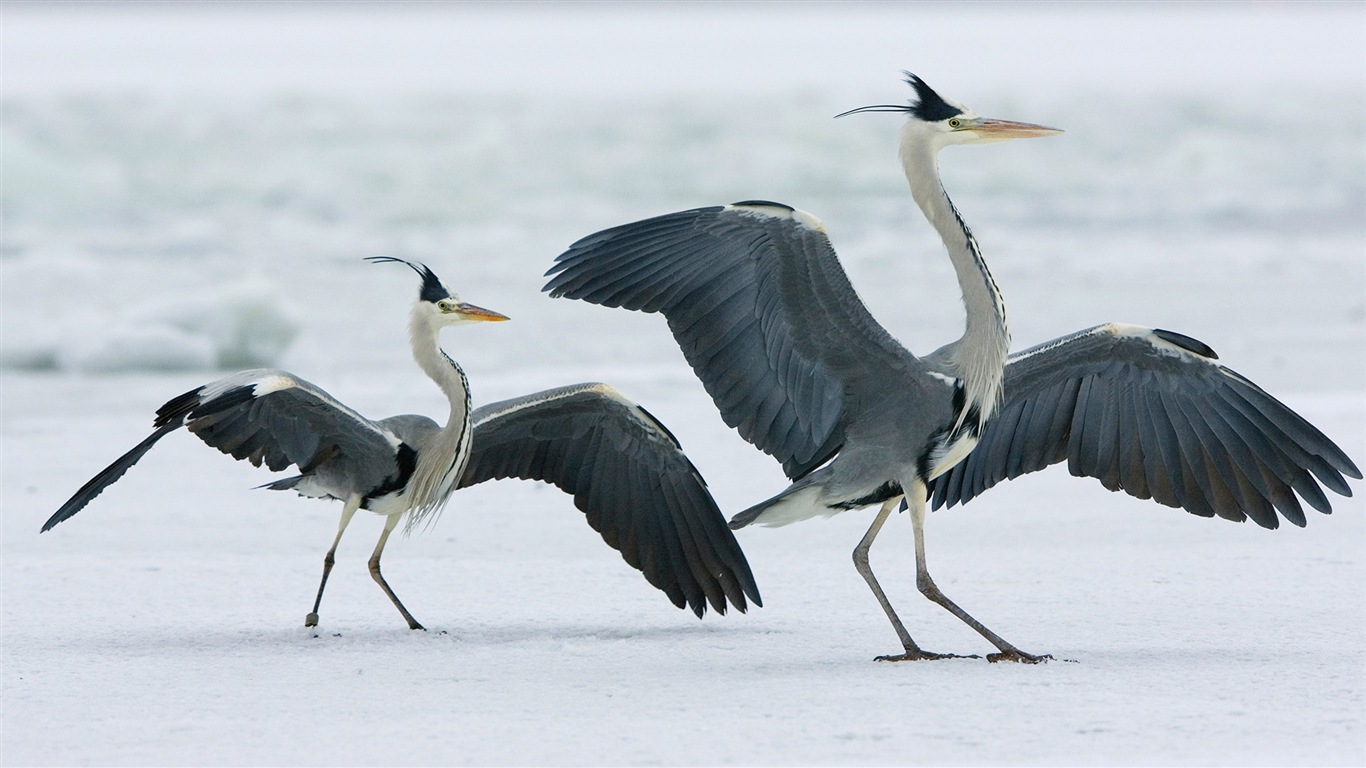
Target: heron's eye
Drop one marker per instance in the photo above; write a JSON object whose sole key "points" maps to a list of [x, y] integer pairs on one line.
{"points": [[955, 122], [444, 305]]}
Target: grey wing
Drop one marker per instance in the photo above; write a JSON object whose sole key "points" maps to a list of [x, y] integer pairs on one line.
{"points": [[760, 306], [630, 478], [273, 418], [277, 419], [1151, 413], [96, 485]]}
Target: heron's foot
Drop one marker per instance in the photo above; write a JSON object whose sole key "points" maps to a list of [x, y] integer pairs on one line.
{"points": [[919, 655], [412, 624], [311, 620], [1019, 657]]}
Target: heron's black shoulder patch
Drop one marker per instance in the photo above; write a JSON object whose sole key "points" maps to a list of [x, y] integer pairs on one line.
{"points": [[406, 459], [930, 106], [924, 462], [1187, 343]]}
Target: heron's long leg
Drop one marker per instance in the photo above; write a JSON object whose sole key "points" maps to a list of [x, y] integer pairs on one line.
{"points": [[913, 651], [311, 620], [915, 496], [379, 578]]}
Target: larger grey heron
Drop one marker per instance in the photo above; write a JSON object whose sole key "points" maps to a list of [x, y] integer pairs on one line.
{"points": [[624, 468], [756, 298]]}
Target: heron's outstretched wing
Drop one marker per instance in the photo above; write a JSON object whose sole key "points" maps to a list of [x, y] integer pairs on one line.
{"points": [[273, 418], [107, 476], [760, 306], [1151, 413], [629, 476]]}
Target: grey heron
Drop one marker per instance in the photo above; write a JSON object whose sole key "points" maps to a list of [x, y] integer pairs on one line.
{"points": [[765, 315], [625, 470]]}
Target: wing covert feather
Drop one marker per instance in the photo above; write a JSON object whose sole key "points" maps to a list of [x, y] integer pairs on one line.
{"points": [[277, 419]]}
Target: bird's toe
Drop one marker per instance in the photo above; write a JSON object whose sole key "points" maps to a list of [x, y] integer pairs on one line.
{"points": [[1019, 657], [924, 656]]}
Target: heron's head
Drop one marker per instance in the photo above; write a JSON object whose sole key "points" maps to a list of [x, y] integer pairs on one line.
{"points": [[438, 304], [940, 122]]}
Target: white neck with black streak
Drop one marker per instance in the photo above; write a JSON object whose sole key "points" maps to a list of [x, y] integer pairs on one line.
{"points": [[441, 461], [980, 355]]}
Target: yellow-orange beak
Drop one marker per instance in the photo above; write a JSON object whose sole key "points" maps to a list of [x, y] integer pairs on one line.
{"points": [[479, 314], [989, 128]]}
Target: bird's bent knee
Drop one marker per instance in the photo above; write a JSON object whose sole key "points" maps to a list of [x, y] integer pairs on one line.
{"points": [[927, 586], [860, 557]]}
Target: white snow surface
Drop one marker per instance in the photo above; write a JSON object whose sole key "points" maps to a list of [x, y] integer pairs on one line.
{"points": [[218, 171]]}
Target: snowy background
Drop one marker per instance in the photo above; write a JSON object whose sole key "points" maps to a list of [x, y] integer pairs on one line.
{"points": [[188, 189]]}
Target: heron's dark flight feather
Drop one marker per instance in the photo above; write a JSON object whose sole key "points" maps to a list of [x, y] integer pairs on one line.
{"points": [[761, 309], [629, 477], [107, 476], [1165, 423]]}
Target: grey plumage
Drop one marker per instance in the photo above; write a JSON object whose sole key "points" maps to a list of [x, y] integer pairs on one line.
{"points": [[338, 451], [1156, 419], [768, 320], [626, 472], [721, 297], [631, 479]]}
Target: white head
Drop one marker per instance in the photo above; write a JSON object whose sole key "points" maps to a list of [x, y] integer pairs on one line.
{"points": [[437, 305]]}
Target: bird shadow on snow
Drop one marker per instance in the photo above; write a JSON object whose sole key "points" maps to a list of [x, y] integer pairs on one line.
{"points": [[483, 634], [219, 641]]}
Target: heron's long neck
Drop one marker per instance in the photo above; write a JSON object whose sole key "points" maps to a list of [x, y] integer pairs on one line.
{"points": [[447, 373], [981, 353], [439, 462]]}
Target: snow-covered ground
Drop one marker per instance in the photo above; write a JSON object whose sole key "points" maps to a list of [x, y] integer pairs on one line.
{"points": [[191, 189]]}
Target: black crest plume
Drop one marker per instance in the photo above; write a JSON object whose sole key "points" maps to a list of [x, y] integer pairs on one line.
{"points": [[927, 106], [432, 289], [931, 107]]}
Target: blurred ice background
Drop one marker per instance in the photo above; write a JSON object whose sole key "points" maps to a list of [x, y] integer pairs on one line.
{"points": [[158, 158], [190, 187]]}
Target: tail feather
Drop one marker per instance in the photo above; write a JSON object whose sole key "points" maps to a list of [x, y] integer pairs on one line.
{"points": [[801, 501], [283, 484]]}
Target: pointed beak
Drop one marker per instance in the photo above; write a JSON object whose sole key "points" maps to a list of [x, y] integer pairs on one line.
{"points": [[1001, 130], [479, 314]]}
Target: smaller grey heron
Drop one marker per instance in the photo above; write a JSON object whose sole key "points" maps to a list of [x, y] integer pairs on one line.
{"points": [[769, 321], [625, 470]]}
